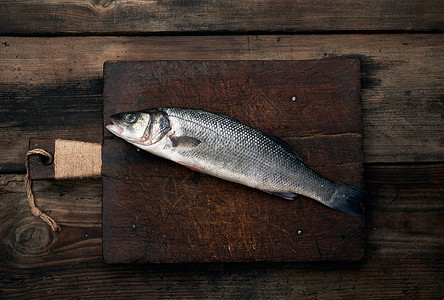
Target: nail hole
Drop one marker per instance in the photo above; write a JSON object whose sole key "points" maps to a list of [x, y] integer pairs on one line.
{"points": [[45, 160]]}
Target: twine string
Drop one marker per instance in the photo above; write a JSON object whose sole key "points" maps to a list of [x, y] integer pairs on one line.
{"points": [[28, 184]]}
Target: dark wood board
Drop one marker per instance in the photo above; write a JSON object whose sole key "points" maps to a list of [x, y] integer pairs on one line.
{"points": [[171, 16], [157, 211], [40, 167]]}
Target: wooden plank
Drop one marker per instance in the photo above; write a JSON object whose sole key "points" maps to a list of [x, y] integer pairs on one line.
{"points": [[157, 211], [69, 110], [404, 256], [52, 87], [137, 17]]}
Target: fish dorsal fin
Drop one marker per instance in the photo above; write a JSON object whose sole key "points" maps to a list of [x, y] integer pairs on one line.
{"points": [[284, 145]]}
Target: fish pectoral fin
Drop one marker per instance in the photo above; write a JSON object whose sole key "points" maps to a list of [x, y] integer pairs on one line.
{"points": [[288, 196], [184, 141]]}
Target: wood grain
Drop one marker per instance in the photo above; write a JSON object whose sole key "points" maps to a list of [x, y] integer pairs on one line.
{"points": [[136, 17], [52, 87], [155, 211], [404, 225]]}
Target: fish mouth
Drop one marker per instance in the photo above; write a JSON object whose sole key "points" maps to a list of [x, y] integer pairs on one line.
{"points": [[114, 128]]}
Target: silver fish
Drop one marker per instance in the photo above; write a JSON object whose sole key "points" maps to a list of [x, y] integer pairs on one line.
{"points": [[226, 148]]}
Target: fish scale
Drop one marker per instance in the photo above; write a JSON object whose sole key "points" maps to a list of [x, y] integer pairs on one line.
{"points": [[240, 149], [226, 148]]}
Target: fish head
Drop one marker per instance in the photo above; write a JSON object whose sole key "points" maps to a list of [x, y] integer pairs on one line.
{"points": [[129, 126], [142, 128]]}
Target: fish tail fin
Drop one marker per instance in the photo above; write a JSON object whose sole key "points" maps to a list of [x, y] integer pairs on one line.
{"points": [[347, 198]]}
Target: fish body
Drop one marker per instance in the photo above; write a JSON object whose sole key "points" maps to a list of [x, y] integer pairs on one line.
{"points": [[224, 147]]}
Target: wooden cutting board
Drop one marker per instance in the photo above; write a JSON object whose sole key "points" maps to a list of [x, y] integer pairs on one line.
{"points": [[157, 211]]}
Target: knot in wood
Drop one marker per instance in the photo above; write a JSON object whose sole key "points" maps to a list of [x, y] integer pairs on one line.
{"points": [[102, 3], [32, 238]]}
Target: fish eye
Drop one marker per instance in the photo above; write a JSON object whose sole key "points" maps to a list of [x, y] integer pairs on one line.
{"points": [[130, 118]]}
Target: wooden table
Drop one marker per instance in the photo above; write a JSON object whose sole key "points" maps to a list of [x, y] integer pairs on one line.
{"points": [[51, 60]]}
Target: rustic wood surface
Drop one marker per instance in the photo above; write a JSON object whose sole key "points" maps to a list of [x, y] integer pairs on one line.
{"points": [[51, 87], [136, 17], [404, 249], [157, 211]]}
